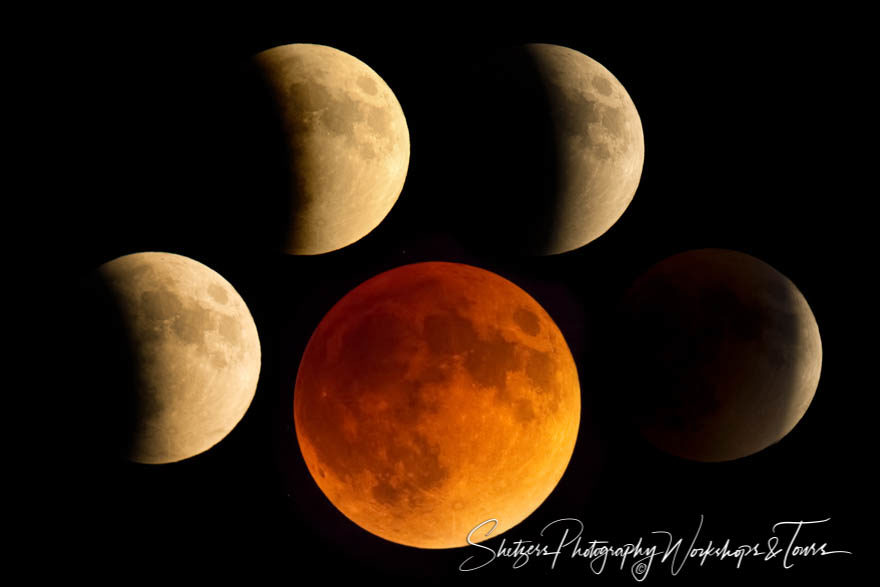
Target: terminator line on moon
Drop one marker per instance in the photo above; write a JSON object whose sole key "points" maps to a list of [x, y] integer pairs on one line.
{"points": [[194, 350], [434, 397], [348, 144]]}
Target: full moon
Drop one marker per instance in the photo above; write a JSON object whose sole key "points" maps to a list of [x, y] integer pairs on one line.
{"points": [[559, 146], [348, 144], [194, 354], [434, 397], [724, 354]]}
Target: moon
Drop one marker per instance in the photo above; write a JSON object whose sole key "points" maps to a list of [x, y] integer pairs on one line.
{"points": [[348, 144], [725, 353], [559, 147], [194, 354], [434, 397]]}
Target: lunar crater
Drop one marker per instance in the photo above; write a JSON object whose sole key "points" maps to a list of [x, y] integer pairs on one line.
{"points": [[218, 294], [527, 321], [368, 85], [602, 85]]}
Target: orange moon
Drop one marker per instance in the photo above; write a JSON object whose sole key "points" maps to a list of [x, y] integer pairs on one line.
{"points": [[434, 397]]}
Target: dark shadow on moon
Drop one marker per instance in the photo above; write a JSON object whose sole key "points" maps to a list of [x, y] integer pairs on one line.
{"points": [[106, 368], [506, 191], [692, 347], [263, 155]]}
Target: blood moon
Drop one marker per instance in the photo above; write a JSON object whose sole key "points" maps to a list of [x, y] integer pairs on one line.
{"points": [[434, 397]]}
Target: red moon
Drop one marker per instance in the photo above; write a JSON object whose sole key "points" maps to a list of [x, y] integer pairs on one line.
{"points": [[434, 397]]}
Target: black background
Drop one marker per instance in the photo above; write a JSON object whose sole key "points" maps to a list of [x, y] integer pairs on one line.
{"points": [[752, 133]]}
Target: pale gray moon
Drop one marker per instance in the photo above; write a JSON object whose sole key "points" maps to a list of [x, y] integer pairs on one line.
{"points": [[348, 144], [195, 354], [724, 354], [554, 153], [600, 144]]}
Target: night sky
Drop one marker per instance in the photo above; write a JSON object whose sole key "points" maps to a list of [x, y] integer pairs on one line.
{"points": [[750, 144]]}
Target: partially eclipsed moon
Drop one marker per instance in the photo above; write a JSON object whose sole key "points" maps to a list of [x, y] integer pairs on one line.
{"points": [[195, 354], [559, 149], [348, 142], [434, 397], [599, 140], [726, 351]]}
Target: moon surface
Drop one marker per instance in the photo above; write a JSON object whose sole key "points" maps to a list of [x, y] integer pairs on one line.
{"points": [[348, 144], [434, 397], [195, 354], [561, 149], [726, 354]]}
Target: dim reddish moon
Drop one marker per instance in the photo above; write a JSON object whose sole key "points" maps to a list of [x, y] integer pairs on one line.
{"points": [[728, 354], [434, 397]]}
